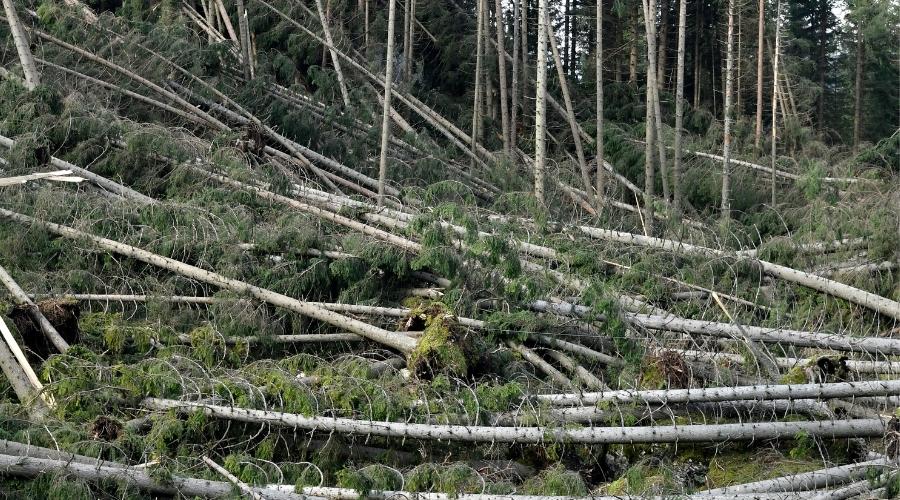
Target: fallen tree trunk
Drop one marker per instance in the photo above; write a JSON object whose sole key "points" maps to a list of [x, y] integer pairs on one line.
{"points": [[401, 343], [873, 345], [713, 394], [824, 478], [863, 298], [133, 476], [21, 299], [611, 435], [112, 187]]}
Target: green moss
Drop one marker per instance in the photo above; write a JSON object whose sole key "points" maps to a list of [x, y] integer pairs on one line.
{"points": [[439, 349], [556, 481], [738, 468]]}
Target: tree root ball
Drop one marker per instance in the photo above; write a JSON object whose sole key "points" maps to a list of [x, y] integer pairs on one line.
{"points": [[62, 314]]}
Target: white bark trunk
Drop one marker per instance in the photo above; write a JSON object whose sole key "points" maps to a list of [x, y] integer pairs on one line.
{"points": [[386, 108], [102, 182], [600, 185], [595, 435], [726, 140], [716, 394], [570, 114], [824, 478], [501, 69], [21, 299], [479, 62], [390, 339], [760, 36], [20, 40], [775, 98], [345, 95], [540, 109], [679, 108]]}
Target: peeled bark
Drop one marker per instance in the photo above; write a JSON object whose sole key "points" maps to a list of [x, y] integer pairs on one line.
{"points": [[386, 108], [717, 394], [611, 435], [20, 40], [390, 339]]}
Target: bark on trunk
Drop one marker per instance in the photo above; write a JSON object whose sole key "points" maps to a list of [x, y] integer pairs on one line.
{"points": [[611, 435], [540, 109], [726, 140], [20, 39], [386, 108], [334, 57], [501, 70], [679, 108], [570, 113], [244, 39], [773, 155], [858, 87], [21, 299], [760, 37], [514, 87], [718, 394], [600, 186], [479, 56], [399, 342]]}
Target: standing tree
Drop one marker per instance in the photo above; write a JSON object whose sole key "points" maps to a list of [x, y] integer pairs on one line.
{"points": [[757, 137], [775, 94], [345, 95], [601, 185], [386, 105], [679, 107], [32, 77], [540, 100], [726, 141], [479, 56], [245, 38], [501, 70], [514, 88]]}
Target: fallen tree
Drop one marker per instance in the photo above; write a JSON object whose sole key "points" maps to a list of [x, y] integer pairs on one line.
{"points": [[656, 434]]}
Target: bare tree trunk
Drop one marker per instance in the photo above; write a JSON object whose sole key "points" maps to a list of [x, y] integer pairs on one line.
{"points": [[757, 137], [663, 46], [514, 88], [501, 71], [679, 108], [653, 92], [20, 39], [386, 109], [479, 56], [633, 52], [726, 146], [334, 57], [570, 112], [21, 299], [407, 5], [366, 27], [401, 343], [618, 434], [410, 67], [775, 98], [598, 62], [697, 57], [244, 39], [210, 18], [857, 97], [540, 96]]}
